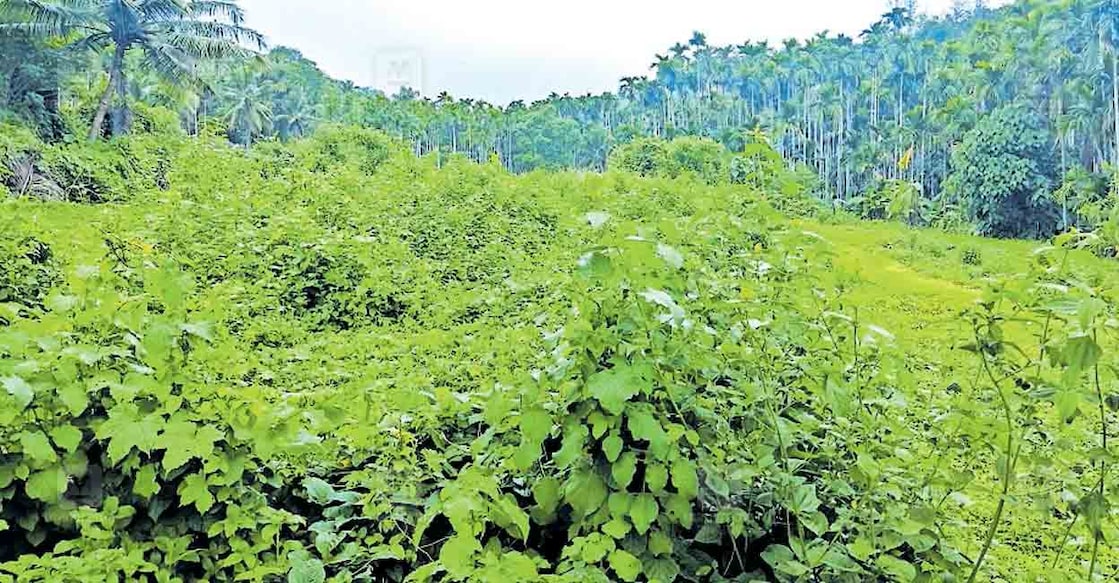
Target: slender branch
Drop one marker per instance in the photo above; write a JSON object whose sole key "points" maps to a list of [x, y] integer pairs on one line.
{"points": [[1008, 468]]}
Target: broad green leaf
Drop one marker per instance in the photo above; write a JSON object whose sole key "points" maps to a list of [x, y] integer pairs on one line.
{"points": [[126, 428], [656, 478], [643, 512], [644, 426], [684, 478], [662, 570], [535, 425], [612, 388], [617, 527], [660, 544], [837, 558], [716, 483], [67, 437], [75, 397], [782, 560], [19, 390], [37, 447], [195, 491], [804, 500], [146, 484], [306, 569], [458, 555], [546, 492], [1082, 353], [47, 485], [512, 517], [585, 492], [679, 509], [596, 547], [612, 447], [624, 469], [184, 440], [899, 570], [319, 491], [711, 533], [625, 565], [572, 449], [619, 504]]}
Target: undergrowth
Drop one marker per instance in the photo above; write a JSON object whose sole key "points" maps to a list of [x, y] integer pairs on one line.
{"points": [[331, 361]]}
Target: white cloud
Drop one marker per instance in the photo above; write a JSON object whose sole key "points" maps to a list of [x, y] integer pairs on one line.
{"points": [[501, 50]]}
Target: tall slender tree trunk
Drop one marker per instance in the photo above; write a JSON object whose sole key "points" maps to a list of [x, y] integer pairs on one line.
{"points": [[1115, 115], [123, 125], [115, 74]]}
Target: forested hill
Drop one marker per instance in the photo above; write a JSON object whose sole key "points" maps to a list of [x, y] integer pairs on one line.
{"points": [[888, 105]]}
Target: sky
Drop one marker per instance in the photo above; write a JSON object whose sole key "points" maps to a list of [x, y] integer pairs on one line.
{"points": [[504, 50]]}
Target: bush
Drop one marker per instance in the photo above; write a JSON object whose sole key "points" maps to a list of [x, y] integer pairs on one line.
{"points": [[333, 146], [644, 156], [702, 157], [28, 270], [1003, 174]]}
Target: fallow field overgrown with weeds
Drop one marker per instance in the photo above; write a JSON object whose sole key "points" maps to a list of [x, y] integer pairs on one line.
{"points": [[331, 361]]}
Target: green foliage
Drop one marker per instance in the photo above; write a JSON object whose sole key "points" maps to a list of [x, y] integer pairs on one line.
{"points": [[95, 174], [28, 269], [172, 38], [1003, 173], [334, 146], [325, 361], [893, 200], [762, 168], [645, 157], [702, 158]]}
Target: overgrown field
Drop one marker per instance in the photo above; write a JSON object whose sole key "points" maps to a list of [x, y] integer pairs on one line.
{"points": [[334, 361]]}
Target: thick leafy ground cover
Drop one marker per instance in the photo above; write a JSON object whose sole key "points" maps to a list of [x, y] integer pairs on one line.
{"points": [[333, 361]]}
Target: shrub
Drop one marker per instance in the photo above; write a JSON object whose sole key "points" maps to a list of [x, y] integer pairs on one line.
{"points": [[644, 156], [1003, 173], [702, 157], [86, 173], [28, 270], [333, 146]]}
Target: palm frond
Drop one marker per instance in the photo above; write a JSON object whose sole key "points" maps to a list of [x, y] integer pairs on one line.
{"points": [[95, 42], [170, 62], [222, 9], [232, 34], [48, 18], [162, 10], [205, 47]]}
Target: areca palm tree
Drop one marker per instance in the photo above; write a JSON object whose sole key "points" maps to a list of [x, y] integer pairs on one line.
{"points": [[173, 35]]}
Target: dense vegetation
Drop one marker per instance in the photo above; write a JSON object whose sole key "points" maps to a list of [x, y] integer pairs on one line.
{"points": [[333, 360], [861, 113], [228, 357]]}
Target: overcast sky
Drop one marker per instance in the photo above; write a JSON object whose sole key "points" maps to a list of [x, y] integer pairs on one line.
{"points": [[502, 50]]}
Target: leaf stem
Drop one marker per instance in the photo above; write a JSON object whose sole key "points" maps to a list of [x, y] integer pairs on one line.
{"points": [[1008, 468]]}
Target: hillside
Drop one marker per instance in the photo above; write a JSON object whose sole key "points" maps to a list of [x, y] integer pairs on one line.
{"points": [[331, 360]]}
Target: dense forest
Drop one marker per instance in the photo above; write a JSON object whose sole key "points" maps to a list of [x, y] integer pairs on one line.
{"points": [[861, 112], [758, 316]]}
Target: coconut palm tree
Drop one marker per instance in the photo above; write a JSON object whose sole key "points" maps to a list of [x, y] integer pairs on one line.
{"points": [[297, 118], [249, 113], [173, 35]]}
